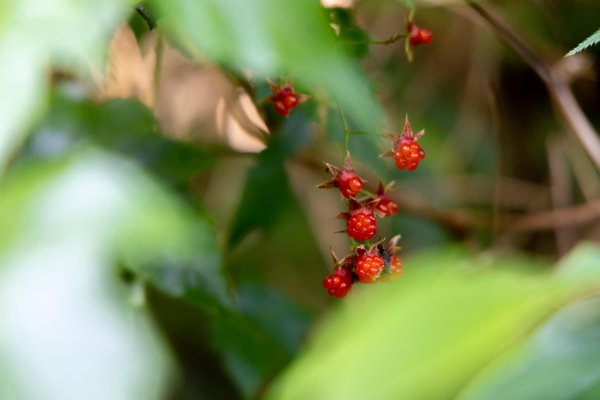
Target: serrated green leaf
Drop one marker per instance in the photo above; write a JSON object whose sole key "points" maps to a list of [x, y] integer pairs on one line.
{"points": [[590, 41], [34, 36]]}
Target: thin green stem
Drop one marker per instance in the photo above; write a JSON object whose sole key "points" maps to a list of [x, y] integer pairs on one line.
{"points": [[346, 128], [367, 133]]}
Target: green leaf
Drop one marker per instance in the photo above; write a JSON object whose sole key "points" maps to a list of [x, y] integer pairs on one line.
{"points": [[272, 38], [590, 41], [261, 339], [561, 360], [267, 192], [350, 34], [445, 320], [123, 126], [65, 319], [69, 34]]}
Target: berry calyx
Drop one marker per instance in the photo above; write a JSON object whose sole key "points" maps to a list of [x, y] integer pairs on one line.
{"points": [[361, 224], [339, 283], [416, 35], [382, 204], [369, 267]]}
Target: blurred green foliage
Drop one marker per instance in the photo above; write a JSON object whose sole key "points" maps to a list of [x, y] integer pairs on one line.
{"points": [[136, 262]]}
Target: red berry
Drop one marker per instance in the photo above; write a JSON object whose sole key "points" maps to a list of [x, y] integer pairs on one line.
{"points": [[284, 99], [288, 97], [339, 283], [361, 224], [395, 266], [386, 206], [369, 267], [407, 154], [349, 183], [280, 107], [417, 36]]}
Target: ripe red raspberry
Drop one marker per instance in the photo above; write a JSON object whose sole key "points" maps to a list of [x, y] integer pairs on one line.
{"points": [[405, 150], [361, 224], [369, 267], [407, 154], [417, 36], [349, 183], [339, 283]]}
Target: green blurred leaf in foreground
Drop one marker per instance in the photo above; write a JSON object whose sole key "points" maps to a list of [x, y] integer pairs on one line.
{"points": [[273, 38], [67, 329], [123, 126], [69, 34], [561, 359], [426, 335]]}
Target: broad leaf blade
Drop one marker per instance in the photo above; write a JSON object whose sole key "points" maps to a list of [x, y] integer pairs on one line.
{"points": [[561, 360], [442, 322], [272, 38], [37, 35]]}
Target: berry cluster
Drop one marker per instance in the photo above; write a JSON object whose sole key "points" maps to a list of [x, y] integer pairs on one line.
{"points": [[366, 265], [363, 265], [369, 264], [285, 98]]}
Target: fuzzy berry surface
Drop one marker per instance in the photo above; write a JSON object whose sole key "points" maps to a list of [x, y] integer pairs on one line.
{"points": [[349, 183], [369, 267], [339, 283], [361, 224], [407, 154]]}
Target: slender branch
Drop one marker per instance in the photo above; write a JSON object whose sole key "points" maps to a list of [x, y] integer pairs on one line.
{"points": [[559, 90], [392, 39], [576, 215]]}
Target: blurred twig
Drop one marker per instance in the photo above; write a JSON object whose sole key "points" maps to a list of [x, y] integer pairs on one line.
{"points": [[576, 215], [560, 190], [556, 83]]}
